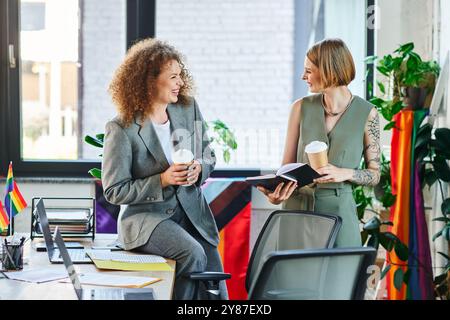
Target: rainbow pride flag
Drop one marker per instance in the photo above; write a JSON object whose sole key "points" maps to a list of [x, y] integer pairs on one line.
{"points": [[230, 202], [408, 214], [4, 220], [14, 202]]}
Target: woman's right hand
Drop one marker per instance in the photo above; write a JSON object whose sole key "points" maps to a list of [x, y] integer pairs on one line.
{"points": [[282, 192], [175, 175]]}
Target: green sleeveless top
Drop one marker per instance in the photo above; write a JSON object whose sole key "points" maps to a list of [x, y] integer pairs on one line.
{"points": [[345, 141]]}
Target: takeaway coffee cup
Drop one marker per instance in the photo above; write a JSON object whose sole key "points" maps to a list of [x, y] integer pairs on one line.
{"points": [[317, 152], [183, 156]]}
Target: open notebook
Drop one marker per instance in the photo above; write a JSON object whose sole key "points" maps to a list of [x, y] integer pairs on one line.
{"points": [[302, 173]]}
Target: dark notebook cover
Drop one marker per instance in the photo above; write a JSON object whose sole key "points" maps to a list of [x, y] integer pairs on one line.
{"points": [[302, 173]]}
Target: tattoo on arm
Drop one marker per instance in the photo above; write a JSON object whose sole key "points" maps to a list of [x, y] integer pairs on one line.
{"points": [[365, 177], [372, 153]]}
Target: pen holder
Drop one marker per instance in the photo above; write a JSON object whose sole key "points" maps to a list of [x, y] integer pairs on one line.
{"points": [[12, 257]]}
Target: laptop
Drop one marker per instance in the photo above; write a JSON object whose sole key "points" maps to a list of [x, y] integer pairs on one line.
{"points": [[77, 255], [100, 293]]}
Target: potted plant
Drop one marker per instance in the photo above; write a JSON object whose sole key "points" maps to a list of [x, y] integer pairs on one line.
{"points": [[220, 134], [410, 82]]}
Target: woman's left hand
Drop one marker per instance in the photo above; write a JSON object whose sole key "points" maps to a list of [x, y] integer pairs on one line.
{"points": [[333, 174], [194, 172]]}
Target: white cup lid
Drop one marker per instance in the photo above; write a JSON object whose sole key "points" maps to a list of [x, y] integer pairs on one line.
{"points": [[182, 156], [316, 146]]}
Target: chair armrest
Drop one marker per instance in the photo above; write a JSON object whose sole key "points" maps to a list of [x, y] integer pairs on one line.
{"points": [[209, 276]]}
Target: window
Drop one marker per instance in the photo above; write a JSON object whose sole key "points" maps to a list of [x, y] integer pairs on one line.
{"points": [[247, 58], [65, 53], [68, 55]]}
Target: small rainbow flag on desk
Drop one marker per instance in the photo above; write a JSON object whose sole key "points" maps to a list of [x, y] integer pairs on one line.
{"points": [[4, 220], [14, 202]]}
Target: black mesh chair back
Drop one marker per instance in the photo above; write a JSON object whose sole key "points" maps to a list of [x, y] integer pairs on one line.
{"points": [[317, 274], [292, 230]]}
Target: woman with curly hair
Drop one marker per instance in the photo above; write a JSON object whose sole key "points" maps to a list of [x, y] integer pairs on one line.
{"points": [[166, 212]]}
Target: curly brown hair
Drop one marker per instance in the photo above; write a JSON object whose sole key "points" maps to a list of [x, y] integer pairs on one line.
{"points": [[133, 85]]}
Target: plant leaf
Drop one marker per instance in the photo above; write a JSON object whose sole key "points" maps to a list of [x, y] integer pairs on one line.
{"points": [[396, 107], [96, 173], [442, 219], [383, 70], [443, 136], [370, 59], [374, 241], [406, 48], [430, 177], [373, 224], [93, 141], [446, 233], [442, 169], [226, 155], [440, 278], [444, 255], [445, 207], [389, 126], [381, 86], [385, 271], [437, 234], [401, 251], [423, 136], [386, 243], [406, 276], [398, 278], [101, 137]]}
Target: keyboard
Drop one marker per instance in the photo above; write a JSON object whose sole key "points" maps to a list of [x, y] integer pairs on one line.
{"points": [[75, 255], [107, 294], [123, 257]]}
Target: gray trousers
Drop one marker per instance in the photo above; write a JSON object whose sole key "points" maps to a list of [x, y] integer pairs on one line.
{"points": [[176, 238]]}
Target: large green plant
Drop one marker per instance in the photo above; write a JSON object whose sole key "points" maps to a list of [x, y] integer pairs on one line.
{"points": [[433, 152], [219, 134], [402, 69]]}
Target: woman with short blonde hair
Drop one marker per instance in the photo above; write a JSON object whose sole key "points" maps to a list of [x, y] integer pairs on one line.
{"points": [[348, 124]]}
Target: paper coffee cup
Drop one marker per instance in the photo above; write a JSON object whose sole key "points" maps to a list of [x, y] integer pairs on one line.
{"points": [[183, 156], [317, 152]]}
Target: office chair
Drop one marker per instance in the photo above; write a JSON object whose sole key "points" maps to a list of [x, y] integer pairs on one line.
{"points": [[314, 274], [283, 230]]}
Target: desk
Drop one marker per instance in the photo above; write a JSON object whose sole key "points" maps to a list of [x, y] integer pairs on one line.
{"points": [[54, 290]]}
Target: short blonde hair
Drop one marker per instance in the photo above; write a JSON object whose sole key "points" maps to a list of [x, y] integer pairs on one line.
{"points": [[334, 61]]}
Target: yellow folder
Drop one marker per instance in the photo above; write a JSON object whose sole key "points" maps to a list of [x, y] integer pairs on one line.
{"points": [[118, 265]]}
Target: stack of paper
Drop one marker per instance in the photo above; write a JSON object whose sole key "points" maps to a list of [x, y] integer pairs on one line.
{"points": [[131, 262], [37, 275], [99, 279]]}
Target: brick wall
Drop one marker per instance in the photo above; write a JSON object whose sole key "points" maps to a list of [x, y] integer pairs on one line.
{"points": [[241, 56], [103, 48]]}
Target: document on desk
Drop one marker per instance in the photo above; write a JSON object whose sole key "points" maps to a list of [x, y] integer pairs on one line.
{"points": [[108, 280], [129, 262], [37, 275]]}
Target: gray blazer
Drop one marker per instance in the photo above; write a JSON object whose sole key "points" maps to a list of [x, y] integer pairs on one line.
{"points": [[133, 160]]}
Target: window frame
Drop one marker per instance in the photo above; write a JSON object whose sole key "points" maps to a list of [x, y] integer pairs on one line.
{"points": [[141, 17]]}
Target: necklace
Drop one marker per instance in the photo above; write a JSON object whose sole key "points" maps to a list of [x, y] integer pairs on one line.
{"points": [[334, 114]]}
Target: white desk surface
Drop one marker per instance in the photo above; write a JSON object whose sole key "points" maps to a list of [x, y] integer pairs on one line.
{"points": [[54, 290]]}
